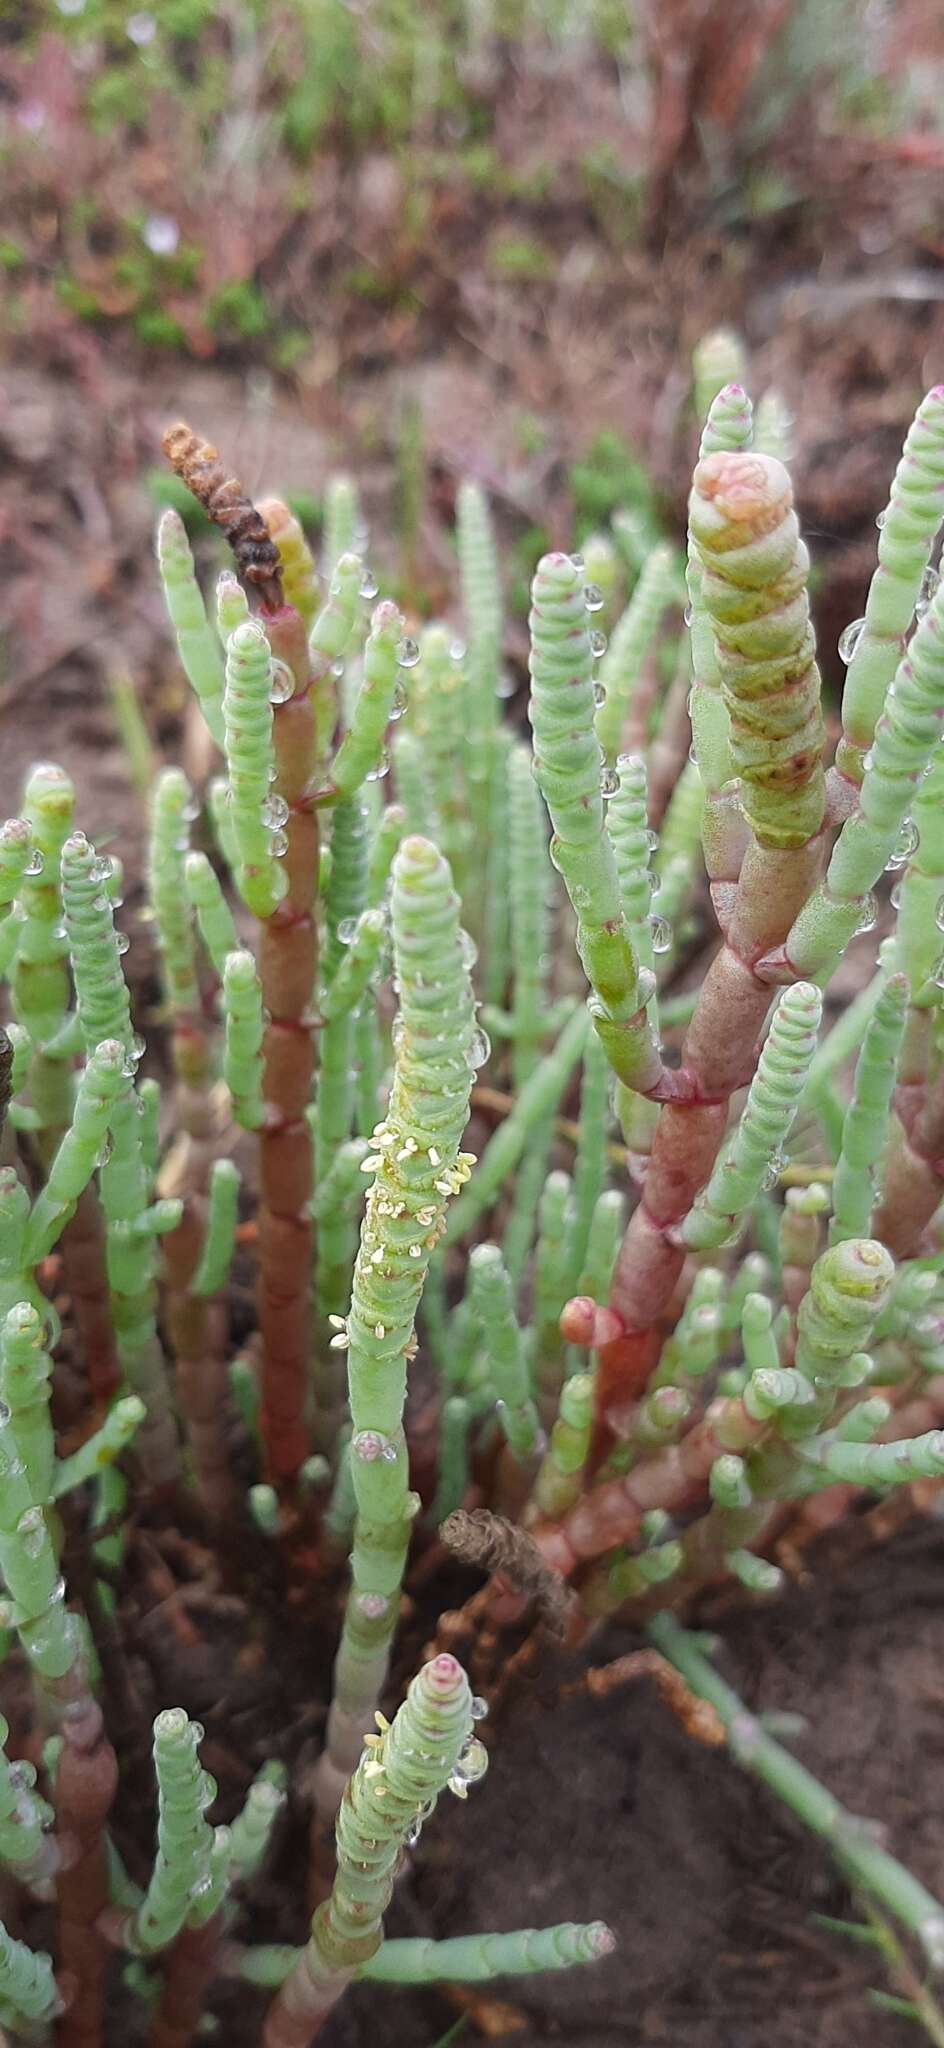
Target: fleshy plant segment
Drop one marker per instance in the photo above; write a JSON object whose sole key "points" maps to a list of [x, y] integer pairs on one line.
{"points": [[609, 1289]]}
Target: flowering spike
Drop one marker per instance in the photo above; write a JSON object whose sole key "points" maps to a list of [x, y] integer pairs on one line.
{"points": [[419, 1165], [395, 1784]]}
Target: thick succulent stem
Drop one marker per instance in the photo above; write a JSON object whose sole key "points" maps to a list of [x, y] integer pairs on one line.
{"points": [[396, 1783], [908, 527], [416, 1166]]}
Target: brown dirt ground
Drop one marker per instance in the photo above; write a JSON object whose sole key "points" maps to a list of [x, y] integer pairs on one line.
{"points": [[605, 1809]]}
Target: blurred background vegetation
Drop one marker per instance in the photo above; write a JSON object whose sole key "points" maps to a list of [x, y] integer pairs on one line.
{"points": [[427, 238]]}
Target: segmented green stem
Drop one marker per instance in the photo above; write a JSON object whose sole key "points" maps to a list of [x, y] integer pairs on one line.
{"points": [[171, 805], [753, 588], [718, 359], [765, 1122], [568, 771], [492, 1302], [28, 1994], [337, 1207], [244, 1028], [908, 527], [865, 1125], [416, 1167], [196, 642], [184, 1839], [396, 1783], [437, 719], [560, 1474], [250, 759], [360, 751], [299, 575], [481, 607], [906, 737], [27, 1844], [529, 891], [251, 1831], [620, 670], [466, 1959]]}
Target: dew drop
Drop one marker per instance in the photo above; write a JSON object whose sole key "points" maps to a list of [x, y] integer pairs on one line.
{"points": [[383, 768], [400, 701], [344, 932], [593, 597], [473, 1764], [652, 841], [337, 670], [928, 591], [35, 864], [661, 934], [278, 844], [122, 942], [281, 683], [478, 1708], [597, 644], [408, 653], [100, 870], [369, 585], [772, 1171], [905, 845], [413, 1834], [687, 615], [939, 974], [849, 640], [895, 897], [869, 914], [274, 812], [457, 650], [868, 761], [880, 518], [479, 1048], [939, 914], [693, 757], [609, 782], [599, 695], [577, 561]]}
